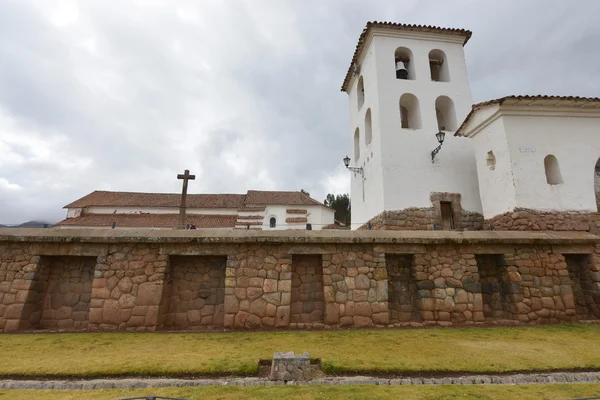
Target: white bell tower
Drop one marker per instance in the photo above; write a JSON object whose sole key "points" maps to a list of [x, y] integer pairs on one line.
{"points": [[405, 84]]}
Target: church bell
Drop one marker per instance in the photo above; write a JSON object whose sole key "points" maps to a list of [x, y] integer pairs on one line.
{"points": [[401, 72]]}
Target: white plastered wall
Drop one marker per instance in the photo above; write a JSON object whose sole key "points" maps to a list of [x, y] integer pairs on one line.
{"points": [[574, 141], [399, 174], [496, 184], [318, 216], [371, 204]]}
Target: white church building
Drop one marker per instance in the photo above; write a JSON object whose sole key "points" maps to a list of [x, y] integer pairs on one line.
{"points": [[513, 163]]}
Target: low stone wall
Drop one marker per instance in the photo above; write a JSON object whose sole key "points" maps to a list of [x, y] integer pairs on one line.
{"points": [[145, 280], [422, 219], [532, 220]]}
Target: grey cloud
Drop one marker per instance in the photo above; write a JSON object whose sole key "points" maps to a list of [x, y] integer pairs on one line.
{"points": [[243, 93]]}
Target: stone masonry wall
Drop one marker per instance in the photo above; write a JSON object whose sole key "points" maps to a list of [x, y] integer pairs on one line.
{"points": [[298, 284], [421, 219], [195, 293], [64, 292], [128, 286], [308, 302], [355, 286], [532, 220]]}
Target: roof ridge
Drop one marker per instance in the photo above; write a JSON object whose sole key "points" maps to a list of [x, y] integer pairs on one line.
{"points": [[396, 25], [501, 100]]}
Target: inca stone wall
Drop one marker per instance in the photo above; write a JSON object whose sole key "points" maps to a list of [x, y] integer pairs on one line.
{"points": [[422, 219], [195, 292], [64, 292], [142, 281], [532, 220], [402, 288], [308, 300]]}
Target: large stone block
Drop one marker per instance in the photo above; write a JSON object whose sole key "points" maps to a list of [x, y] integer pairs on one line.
{"points": [[111, 312], [149, 294]]}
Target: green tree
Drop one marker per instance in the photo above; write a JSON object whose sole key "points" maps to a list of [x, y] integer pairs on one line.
{"points": [[341, 205]]}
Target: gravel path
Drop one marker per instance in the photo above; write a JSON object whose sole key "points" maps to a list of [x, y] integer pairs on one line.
{"points": [[133, 383]]}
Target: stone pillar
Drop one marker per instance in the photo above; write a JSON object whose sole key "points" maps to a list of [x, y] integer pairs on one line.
{"points": [[128, 289], [511, 287], [283, 313], [258, 289], [594, 274], [355, 286], [19, 291], [232, 305], [332, 308]]}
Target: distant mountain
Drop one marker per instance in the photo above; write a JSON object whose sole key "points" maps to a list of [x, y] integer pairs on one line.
{"points": [[29, 224]]}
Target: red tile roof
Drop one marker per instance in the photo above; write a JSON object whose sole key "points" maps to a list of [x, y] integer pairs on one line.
{"points": [[401, 27], [135, 199], [296, 220], [255, 197], [151, 220], [518, 98], [248, 202]]}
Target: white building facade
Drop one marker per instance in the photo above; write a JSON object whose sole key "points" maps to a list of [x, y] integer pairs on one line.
{"points": [[394, 120], [537, 153], [518, 162], [256, 210]]}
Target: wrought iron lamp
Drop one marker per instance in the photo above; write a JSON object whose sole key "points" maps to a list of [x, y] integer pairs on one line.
{"points": [[353, 169], [440, 136]]}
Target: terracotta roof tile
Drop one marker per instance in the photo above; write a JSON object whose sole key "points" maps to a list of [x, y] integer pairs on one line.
{"points": [[134, 199], [296, 211], [254, 200], [396, 26], [151, 220], [539, 97], [284, 198], [296, 219]]}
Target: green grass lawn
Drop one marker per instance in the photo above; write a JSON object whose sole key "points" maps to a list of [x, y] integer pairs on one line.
{"points": [[368, 351], [500, 392]]}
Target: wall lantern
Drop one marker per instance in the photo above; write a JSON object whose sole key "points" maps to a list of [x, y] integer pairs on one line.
{"points": [[440, 136], [353, 169]]}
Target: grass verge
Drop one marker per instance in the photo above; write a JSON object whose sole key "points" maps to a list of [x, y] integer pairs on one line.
{"points": [[493, 392], [478, 350]]}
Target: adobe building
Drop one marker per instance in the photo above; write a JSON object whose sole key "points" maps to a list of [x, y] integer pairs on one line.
{"points": [[497, 226]]}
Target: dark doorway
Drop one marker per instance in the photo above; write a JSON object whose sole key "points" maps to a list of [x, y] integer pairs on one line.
{"points": [[447, 216], [581, 285], [492, 268], [402, 288]]}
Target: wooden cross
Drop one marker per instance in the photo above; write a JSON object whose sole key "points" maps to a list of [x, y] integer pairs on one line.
{"points": [[186, 177]]}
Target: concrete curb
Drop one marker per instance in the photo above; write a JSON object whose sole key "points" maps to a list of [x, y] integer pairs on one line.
{"points": [[144, 383]]}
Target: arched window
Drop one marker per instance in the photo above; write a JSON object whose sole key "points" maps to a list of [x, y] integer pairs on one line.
{"points": [[356, 145], [272, 222], [368, 128], [490, 161], [405, 67], [438, 66], [410, 114], [445, 113], [360, 92], [553, 176]]}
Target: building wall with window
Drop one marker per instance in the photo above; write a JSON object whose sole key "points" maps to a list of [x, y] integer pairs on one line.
{"points": [[398, 170], [296, 217], [545, 154], [406, 152], [575, 142]]}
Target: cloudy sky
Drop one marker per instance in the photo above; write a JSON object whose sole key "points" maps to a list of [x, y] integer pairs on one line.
{"points": [[123, 95]]}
